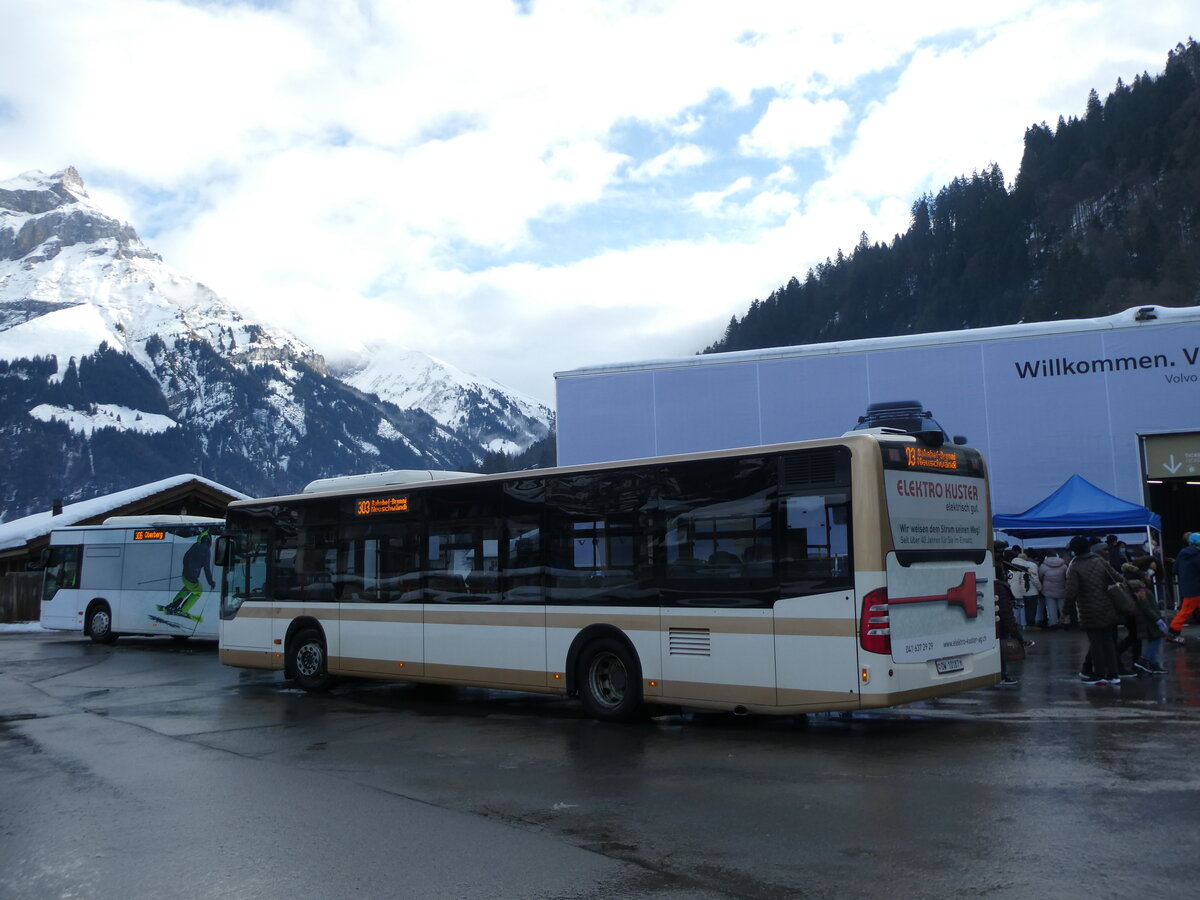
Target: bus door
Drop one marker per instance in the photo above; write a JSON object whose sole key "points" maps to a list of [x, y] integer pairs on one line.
{"points": [[816, 616], [377, 583], [61, 602], [472, 630], [244, 579]]}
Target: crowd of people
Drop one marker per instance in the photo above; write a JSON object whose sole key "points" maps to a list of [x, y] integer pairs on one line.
{"points": [[1119, 600]]}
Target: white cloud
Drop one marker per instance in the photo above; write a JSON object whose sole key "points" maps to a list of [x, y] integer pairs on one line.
{"points": [[679, 158], [710, 203], [517, 193], [794, 124]]}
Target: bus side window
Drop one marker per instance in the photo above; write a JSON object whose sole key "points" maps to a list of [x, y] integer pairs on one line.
{"points": [[596, 539], [816, 548], [103, 563], [306, 565], [522, 564], [62, 570], [256, 571], [379, 562], [718, 534], [463, 562], [462, 547]]}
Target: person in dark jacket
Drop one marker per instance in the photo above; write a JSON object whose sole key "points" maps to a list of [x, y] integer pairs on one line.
{"points": [[1009, 628], [1187, 570], [1148, 620], [1114, 552], [1087, 591]]}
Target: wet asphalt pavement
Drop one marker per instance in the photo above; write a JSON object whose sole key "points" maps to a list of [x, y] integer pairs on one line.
{"points": [[147, 769]]}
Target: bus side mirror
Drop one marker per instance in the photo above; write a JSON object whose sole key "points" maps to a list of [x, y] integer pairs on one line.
{"points": [[223, 552], [38, 563]]}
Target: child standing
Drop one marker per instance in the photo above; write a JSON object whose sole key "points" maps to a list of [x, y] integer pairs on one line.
{"points": [[1148, 623]]}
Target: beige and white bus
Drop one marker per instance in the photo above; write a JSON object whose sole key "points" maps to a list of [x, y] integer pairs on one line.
{"points": [[836, 574]]}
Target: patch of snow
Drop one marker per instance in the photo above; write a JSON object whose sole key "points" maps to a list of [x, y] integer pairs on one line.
{"points": [[502, 446], [74, 331], [22, 628], [106, 415], [388, 431]]}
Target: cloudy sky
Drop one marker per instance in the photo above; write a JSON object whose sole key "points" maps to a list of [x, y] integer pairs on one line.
{"points": [[525, 187]]}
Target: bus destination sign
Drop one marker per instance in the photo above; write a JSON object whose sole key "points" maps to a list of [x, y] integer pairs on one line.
{"points": [[145, 535], [373, 506], [921, 458], [930, 458]]}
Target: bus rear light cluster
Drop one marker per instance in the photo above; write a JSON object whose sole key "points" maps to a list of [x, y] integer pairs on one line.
{"points": [[875, 633]]}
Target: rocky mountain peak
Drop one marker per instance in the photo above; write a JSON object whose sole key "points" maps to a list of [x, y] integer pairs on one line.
{"points": [[35, 192], [41, 214]]}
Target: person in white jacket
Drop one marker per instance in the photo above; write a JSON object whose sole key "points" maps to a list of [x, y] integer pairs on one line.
{"points": [[1053, 575], [1025, 586]]}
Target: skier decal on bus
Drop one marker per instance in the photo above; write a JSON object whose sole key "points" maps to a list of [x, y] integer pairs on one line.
{"points": [[197, 561]]}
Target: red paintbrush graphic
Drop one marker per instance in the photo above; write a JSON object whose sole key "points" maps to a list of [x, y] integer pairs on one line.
{"points": [[963, 595]]}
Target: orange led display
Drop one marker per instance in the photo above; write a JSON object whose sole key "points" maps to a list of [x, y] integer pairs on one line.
{"points": [[376, 505], [928, 458]]}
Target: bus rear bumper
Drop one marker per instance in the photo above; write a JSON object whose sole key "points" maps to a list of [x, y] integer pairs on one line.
{"points": [[928, 692]]}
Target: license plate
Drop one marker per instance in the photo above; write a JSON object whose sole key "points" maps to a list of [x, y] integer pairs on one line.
{"points": [[949, 664]]}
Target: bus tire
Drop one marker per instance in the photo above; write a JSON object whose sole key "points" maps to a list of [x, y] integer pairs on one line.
{"points": [[99, 623], [306, 660], [610, 680]]}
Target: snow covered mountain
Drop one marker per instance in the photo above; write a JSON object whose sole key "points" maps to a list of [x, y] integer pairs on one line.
{"points": [[116, 370], [484, 412]]}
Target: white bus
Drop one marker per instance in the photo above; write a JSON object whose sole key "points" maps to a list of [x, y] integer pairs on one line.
{"points": [[133, 575], [835, 574]]}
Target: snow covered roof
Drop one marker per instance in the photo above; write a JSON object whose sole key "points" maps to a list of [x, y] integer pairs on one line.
{"points": [[18, 532]]}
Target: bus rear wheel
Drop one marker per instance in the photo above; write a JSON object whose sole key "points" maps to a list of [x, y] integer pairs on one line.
{"points": [[99, 622], [610, 680], [306, 661]]}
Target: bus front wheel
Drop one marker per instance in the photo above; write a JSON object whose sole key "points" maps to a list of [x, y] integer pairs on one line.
{"points": [[306, 660], [610, 680], [99, 619]]}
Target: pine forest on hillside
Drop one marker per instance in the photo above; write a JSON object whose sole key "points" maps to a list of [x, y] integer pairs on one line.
{"points": [[1103, 216]]}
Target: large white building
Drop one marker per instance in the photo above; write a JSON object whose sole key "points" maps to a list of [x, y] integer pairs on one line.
{"points": [[1114, 399]]}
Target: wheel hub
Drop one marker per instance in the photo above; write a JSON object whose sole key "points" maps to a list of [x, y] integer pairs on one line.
{"points": [[609, 680], [308, 660]]}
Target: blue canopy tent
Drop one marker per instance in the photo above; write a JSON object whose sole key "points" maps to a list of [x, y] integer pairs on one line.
{"points": [[1078, 507]]}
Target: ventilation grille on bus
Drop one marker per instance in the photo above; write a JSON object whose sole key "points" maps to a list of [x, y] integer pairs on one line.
{"points": [[810, 467], [690, 642]]}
